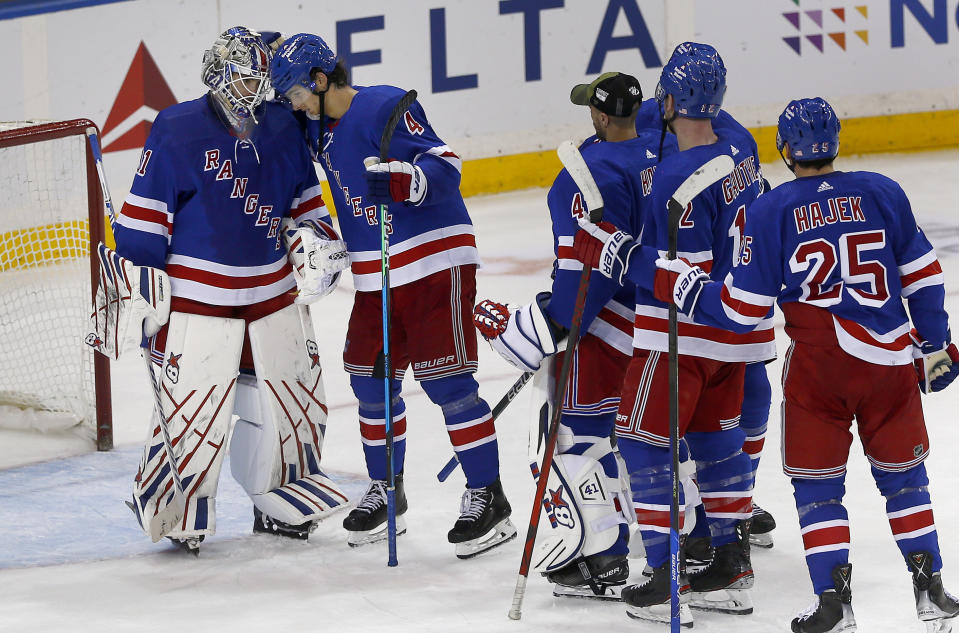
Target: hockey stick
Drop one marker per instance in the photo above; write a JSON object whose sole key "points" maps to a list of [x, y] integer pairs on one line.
{"points": [[101, 173], [706, 175], [166, 519], [398, 110], [447, 470], [576, 166]]}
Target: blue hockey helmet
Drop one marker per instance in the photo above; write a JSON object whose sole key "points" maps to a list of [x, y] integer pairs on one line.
{"points": [[296, 58], [811, 128], [237, 71], [696, 77]]}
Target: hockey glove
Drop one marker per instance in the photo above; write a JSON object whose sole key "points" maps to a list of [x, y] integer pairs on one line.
{"points": [[678, 282], [604, 247], [394, 181], [521, 335], [317, 259], [937, 366]]}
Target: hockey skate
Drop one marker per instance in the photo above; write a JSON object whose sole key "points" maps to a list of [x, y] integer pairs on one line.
{"points": [[484, 521], [832, 610], [934, 605], [366, 523], [760, 534], [723, 585], [191, 544], [697, 552], [650, 601], [600, 577], [265, 524]]}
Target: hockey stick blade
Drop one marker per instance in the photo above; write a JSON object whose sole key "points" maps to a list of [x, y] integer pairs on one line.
{"points": [[711, 171], [573, 162], [161, 523]]}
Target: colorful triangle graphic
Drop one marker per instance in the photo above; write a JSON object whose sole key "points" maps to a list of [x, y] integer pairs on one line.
{"points": [[794, 43], [864, 9], [839, 38], [816, 40], [840, 13], [863, 35], [815, 16], [793, 18], [143, 85]]}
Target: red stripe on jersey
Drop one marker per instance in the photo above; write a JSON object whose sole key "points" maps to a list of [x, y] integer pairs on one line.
{"points": [[911, 522], [859, 333], [416, 253], [928, 271], [616, 320], [449, 154], [826, 536], [753, 447], [329, 230], [565, 252], [232, 282], [750, 310], [306, 206], [728, 505], [146, 215], [657, 324], [375, 432], [470, 434], [656, 518]]}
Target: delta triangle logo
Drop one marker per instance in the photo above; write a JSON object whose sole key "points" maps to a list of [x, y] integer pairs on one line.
{"points": [[142, 95]]}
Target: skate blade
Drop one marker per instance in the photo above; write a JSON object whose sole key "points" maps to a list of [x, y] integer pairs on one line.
{"points": [[661, 613], [610, 593], [938, 625], [691, 568], [502, 532], [764, 541], [190, 545], [731, 601], [367, 537]]}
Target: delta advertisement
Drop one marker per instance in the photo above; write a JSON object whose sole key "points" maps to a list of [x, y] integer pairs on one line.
{"points": [[493, 75]]}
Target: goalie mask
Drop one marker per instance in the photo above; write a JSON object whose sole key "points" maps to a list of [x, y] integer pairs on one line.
{"points": [[236, 69]]}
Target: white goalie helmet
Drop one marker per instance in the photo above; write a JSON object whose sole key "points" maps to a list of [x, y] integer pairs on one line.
{"points": [[237, 71]]}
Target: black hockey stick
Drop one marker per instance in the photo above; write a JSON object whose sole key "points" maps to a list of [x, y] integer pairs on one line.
{"points": [[577, 168], [447, 470], [703, 177], [398, 111]]}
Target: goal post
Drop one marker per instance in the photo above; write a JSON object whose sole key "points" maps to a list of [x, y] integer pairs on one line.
{"points": [[51, 219]]}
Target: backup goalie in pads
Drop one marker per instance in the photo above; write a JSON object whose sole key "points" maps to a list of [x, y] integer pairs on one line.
{"points": [[224, 189]]}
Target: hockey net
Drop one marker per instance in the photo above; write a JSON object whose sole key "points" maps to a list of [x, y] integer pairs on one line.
{"points": [[51, 218]]}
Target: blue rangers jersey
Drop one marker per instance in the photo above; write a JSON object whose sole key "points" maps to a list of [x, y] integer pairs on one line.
{"points": [[847, 245], [710, 236], [623, 172], [434, 235], [207, 207]]}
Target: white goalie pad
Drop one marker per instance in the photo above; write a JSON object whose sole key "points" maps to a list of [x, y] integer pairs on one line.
{"points": [[131, 302], [578, 516], [197, 391], [317, 260], [278, 440]]}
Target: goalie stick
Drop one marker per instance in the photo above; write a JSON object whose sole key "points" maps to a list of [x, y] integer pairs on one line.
{"points": [[699, 180], [510, 395], [573, 162], [398, 110]]}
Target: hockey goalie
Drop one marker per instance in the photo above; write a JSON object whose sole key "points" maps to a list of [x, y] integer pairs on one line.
{"points": [[223, 224]]}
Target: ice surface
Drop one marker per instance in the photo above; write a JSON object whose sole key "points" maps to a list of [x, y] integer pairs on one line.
{"points": [[73, 559]]}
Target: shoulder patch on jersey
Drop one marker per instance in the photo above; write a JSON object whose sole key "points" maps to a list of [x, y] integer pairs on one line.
{"points": [[732, 148], [649, 154], [825, 186]]}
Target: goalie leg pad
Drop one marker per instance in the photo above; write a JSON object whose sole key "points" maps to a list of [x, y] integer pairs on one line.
{"points": [[197, 387], [277, 445]]}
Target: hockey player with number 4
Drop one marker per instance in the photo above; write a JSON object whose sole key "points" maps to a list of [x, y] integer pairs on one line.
{"points": [[224, 219], [842, 255], [432, 264], [593, 562]]}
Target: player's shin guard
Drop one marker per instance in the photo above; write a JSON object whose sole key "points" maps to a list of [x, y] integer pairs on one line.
{"points": [[469, 423], [909, 510], [824, 524], [725, 479], [369, 393], [757, 397]]}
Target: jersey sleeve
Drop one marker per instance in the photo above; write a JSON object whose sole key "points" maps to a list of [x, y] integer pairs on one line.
{"points": [[566, 205], [146, 222], [920, 274], [308, 206], [414, 141]]}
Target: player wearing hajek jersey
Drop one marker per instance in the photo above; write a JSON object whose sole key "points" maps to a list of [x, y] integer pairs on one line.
{"points": [[622, 168], [222, 184], [433, 260], [711, 361], [840, 251]]}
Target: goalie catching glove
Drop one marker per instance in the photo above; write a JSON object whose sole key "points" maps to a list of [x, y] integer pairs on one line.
{"points": [[937, 366], [394, 181], [132, 302], [317, 259], [522, 335]]}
